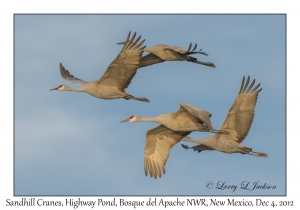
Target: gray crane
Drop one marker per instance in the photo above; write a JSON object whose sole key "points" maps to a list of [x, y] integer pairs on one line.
{"points": [[174, 126], [160, 53], [235, 127], [117, 77], [186, 118]]}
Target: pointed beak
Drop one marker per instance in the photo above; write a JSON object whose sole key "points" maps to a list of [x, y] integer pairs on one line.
{"points": [[125, 120], [53, 89]]}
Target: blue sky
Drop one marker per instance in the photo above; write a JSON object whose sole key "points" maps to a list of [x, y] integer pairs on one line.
{"points": [[69, 143]]}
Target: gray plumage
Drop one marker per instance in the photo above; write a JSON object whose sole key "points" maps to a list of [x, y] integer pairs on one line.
{"points": [[186, 118], [174, 126], [160, 53], [236, 125], [159, 142], [117, 77]]}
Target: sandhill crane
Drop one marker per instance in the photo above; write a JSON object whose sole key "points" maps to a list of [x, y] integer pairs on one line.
{"points": [[175, 126], [160, 53], [186, 118], [235, 127], [117, 77]]}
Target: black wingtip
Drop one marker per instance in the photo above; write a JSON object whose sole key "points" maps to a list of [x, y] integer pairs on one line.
{"points": [[195, 47], [184, 146], [189, 47]]}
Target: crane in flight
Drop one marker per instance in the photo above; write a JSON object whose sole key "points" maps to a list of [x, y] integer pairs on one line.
{"points": [[186, 118], [117, 77], [161, 52], [235, 127], [174, 126]]}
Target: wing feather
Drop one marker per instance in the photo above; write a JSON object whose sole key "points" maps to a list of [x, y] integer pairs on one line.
{"points": [[123, 68], [187, 52], [150, 59], [200, 114], [241, 113], [159, 141], [67, 76]]}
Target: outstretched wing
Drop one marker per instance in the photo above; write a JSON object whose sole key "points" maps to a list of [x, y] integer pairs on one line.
{"points": [[150, 59], [159, 141], [188, 51], [200, 114], [123, 68], [241, 113], [67, 76]]}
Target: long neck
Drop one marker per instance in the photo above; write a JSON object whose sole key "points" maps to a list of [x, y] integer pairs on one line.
{"points": [[80, 89], [191, 140], [155, 50], [157, 119], [147, 49]]}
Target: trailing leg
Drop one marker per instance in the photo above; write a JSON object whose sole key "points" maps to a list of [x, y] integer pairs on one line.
{"points": [[194, 60], [128, 97], [258, 154]]}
